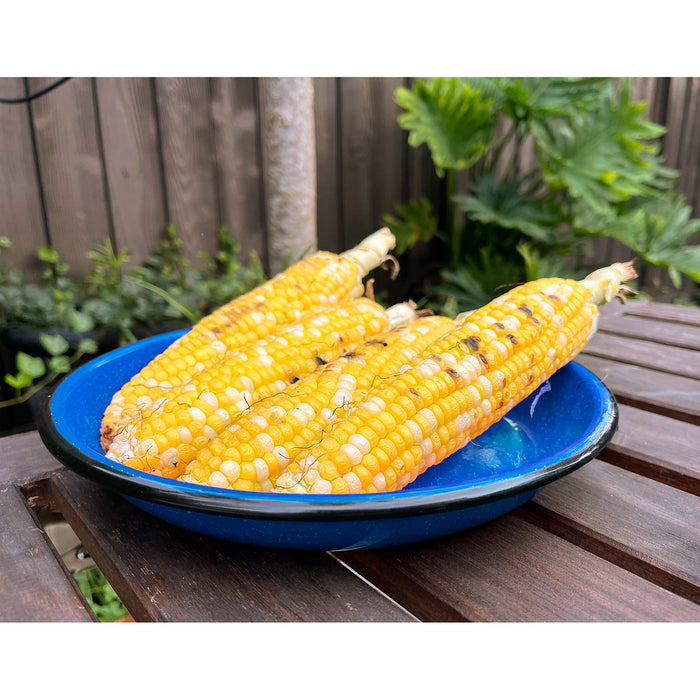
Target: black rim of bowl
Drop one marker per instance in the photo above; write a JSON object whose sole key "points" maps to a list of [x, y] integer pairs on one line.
{"points": [[350, 508]]}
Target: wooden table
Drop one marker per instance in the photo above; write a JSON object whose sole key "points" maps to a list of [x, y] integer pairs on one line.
{"points": [[617, 540]]}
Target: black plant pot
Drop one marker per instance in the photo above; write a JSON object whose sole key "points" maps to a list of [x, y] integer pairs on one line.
{"points": [[21, 417]]}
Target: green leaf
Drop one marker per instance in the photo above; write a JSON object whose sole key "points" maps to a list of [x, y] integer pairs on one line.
{"points": [[54, 344], [503, 204], [33, 366], [59, 364], [47, 254], [19, 381], [453, 119], [87, 346], [79, 321], [414, 223], [602, 155]]}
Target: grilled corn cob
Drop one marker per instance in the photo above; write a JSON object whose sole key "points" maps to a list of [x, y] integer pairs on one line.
{"points": [[454, 389], [261, 440], [319, 280], [169, 431]]}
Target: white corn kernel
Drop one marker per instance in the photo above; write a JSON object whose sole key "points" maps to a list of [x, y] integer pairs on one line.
{"points": [[218, 480], [353, 454], [231, 469], [362, 443]]}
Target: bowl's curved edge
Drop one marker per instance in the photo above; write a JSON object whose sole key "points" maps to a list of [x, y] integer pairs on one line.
{"points": [[324, 508]]}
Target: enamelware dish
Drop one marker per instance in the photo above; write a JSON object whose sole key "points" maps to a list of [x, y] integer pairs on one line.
{"points": [[559, 428]]}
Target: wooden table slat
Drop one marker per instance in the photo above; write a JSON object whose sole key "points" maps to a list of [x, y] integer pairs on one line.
{"points": [[654, 391], [604, 503], [663, 333], [34, 584], [645, 353], [685, 315], [149, 564], [511, 570], [657, 447], [24, 459]]}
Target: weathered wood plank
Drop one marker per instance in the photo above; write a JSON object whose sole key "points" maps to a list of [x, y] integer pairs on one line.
{"points": [[657, 447], [70, 167], [682, 142], [188, 160], [35, 586], [685, 315], [129, 127], [388, 155], [660, 332], [24, 459], [645, 353], [236, 127], [329, 212], [20, 196], [653, 92], [356, 132], [149, 564], [509, 570], [667, 394], [634, 522]]}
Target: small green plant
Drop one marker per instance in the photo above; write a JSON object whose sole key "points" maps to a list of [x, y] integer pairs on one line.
{"points": [[552, 163], [100, 595], [76, 312]]}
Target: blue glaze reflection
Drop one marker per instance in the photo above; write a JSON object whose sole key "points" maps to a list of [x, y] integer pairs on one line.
{"points": [[505, 447]]}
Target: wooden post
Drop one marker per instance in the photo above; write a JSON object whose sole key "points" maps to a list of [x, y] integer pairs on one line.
{"points": [[289, 166]]}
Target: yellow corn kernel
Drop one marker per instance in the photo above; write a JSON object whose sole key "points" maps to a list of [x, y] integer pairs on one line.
{"points": [[466, 380], [321, 279]]}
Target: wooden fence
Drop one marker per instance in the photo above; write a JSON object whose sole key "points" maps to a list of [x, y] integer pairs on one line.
{"points": [[118, 158]]}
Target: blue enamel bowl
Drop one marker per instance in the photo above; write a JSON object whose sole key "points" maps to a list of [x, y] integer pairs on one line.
{"points": [[563, 425]]}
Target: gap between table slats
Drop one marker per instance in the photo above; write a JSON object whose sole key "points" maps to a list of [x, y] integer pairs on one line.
{"points": [[165, 573]]}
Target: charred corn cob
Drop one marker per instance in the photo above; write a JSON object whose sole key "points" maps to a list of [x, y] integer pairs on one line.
{"points": [[319, 280], [168, 432], [262, 440], [454, 389]]}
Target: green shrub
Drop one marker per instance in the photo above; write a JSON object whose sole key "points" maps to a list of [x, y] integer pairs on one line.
{"points": [[552, 163]]}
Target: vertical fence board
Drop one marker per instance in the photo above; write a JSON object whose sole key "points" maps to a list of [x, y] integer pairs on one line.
{"points": [[188, 161], [187, 150], [356, 158], [652, 92], [237, 148], [689, 146], [20, 198], [388, 165], [132, 163], [70, 167], [329, 212]]}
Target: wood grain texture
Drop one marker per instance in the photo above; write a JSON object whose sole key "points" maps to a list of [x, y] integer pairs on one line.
{"points": [[647, 353], [70, 166], [129, 129], [657, 447], [236, 127], [329, 209], [150, 565], [356, 133], [680, 315], [662, 333], [646, 527], [20, 191], [24, 459], [35, 586], [658, 392], [188, 160], [512, 571], [682, 141]]}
